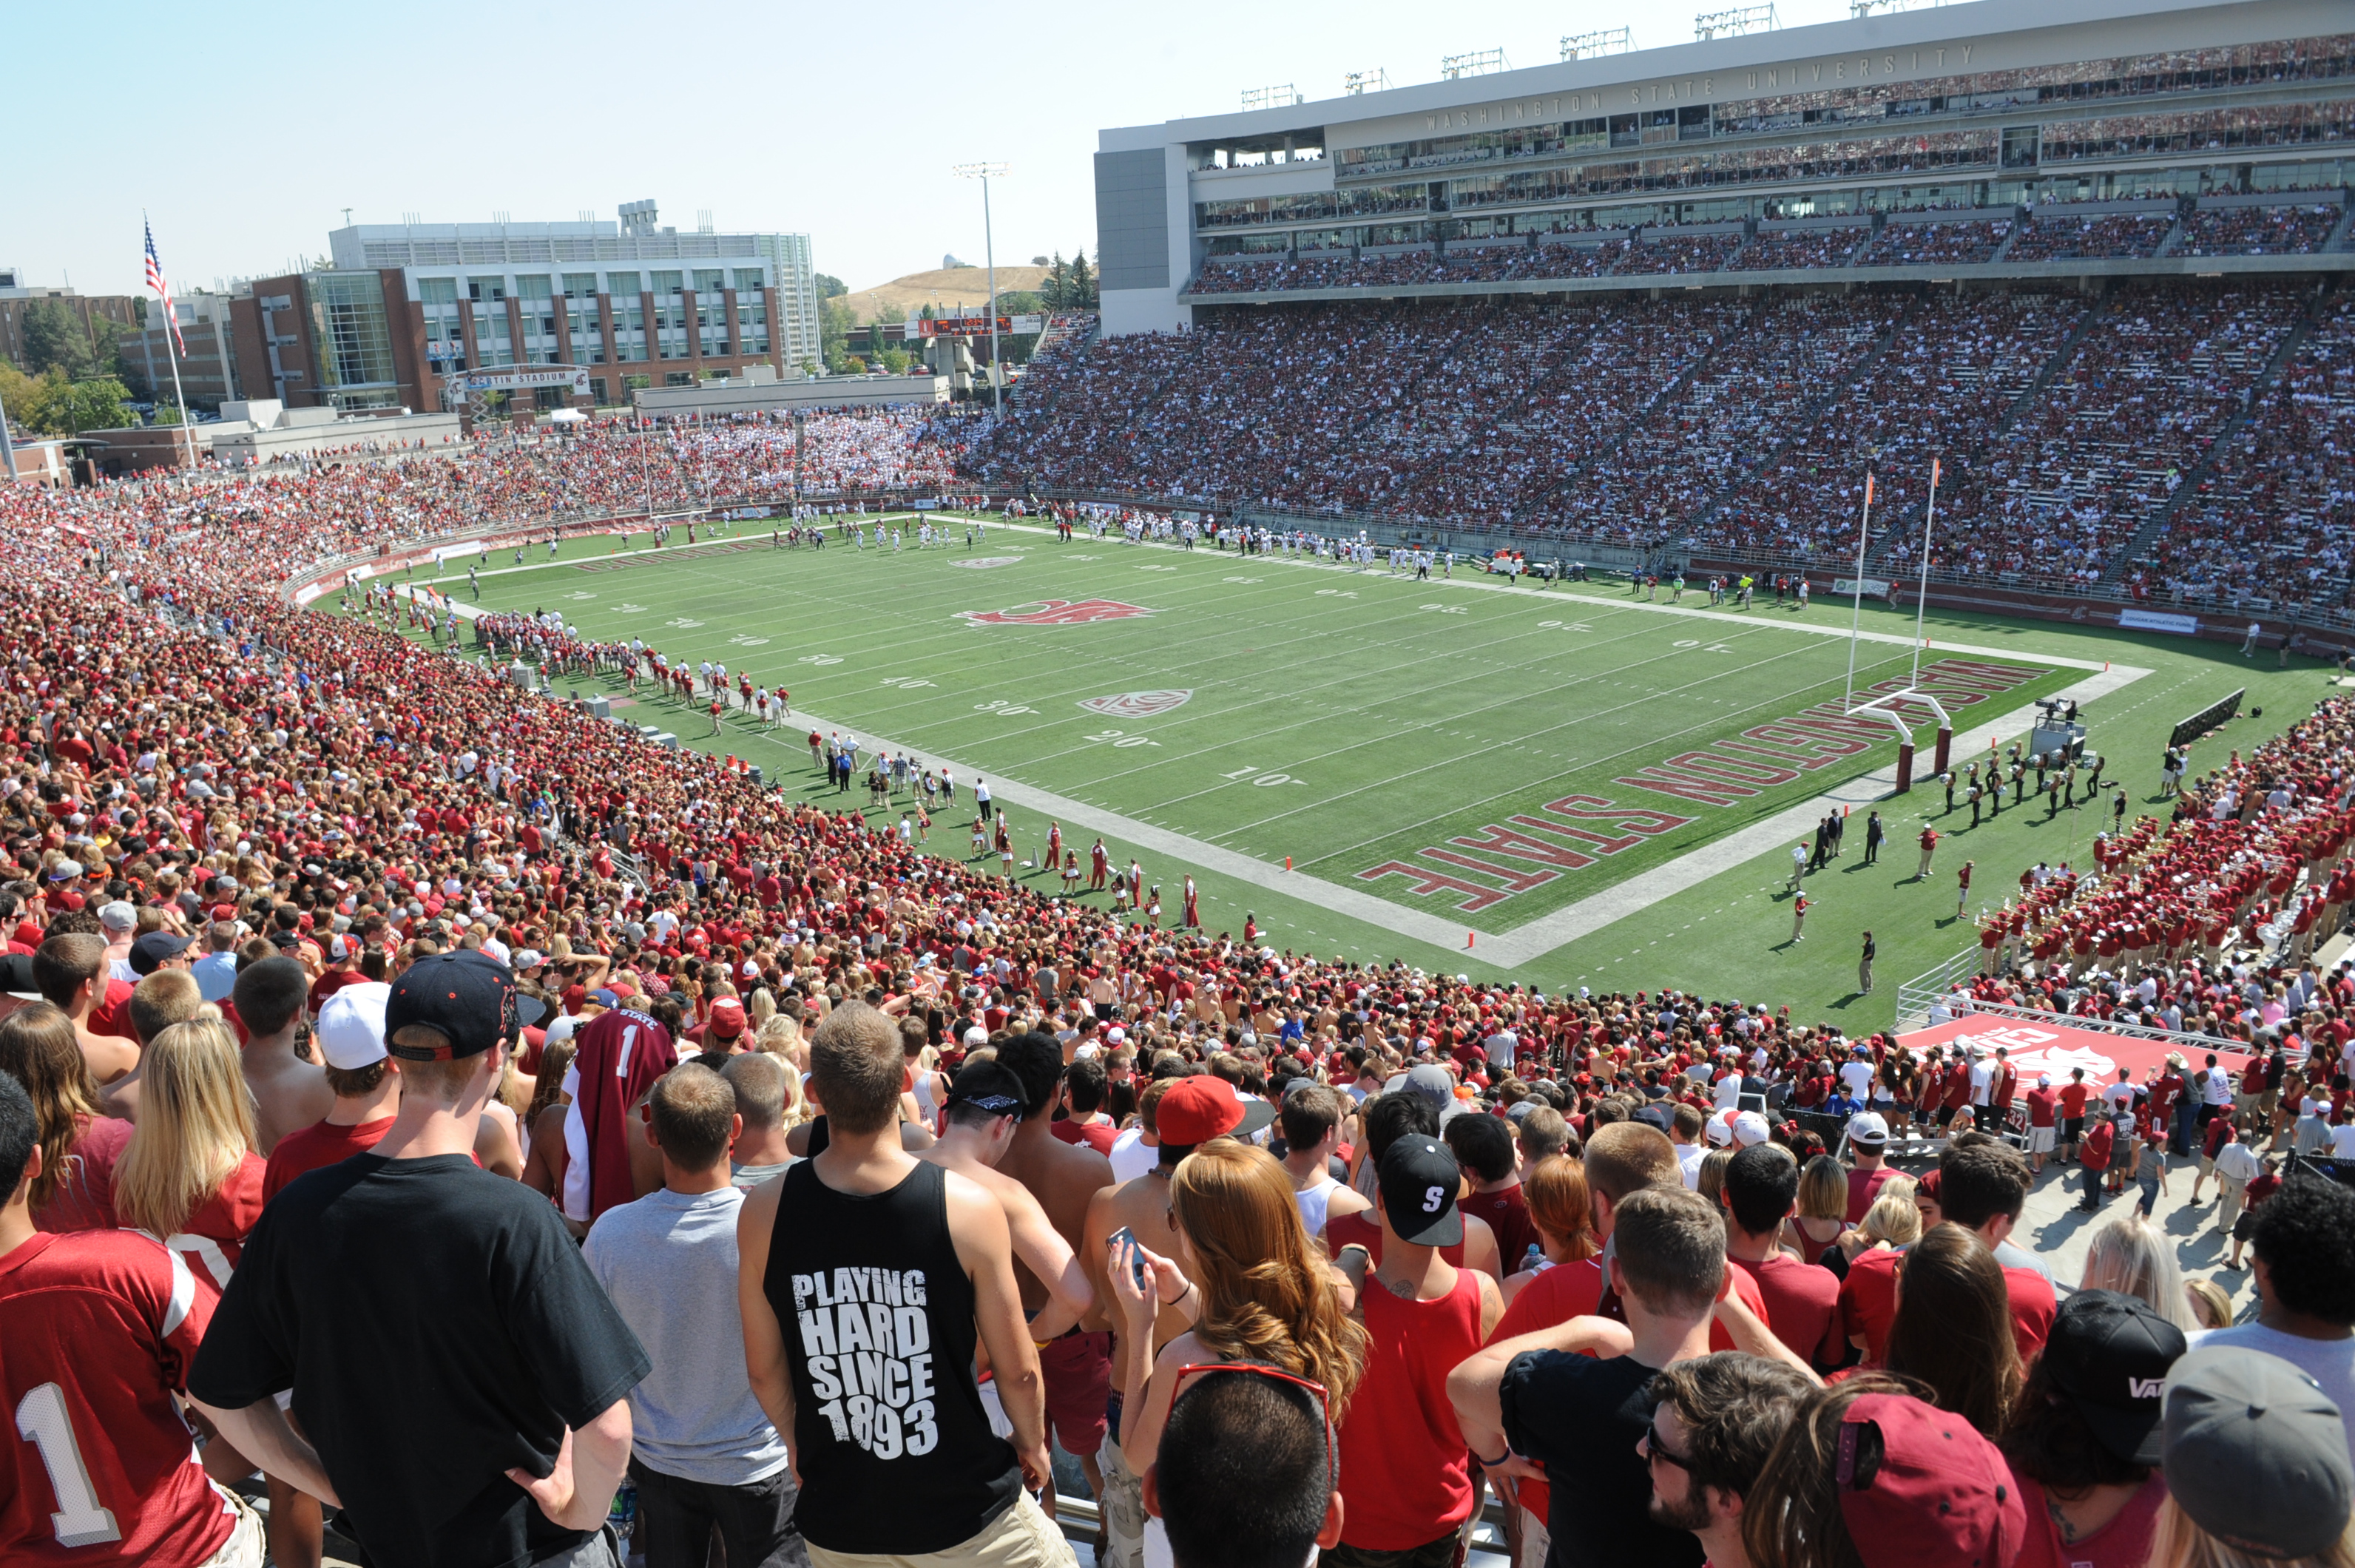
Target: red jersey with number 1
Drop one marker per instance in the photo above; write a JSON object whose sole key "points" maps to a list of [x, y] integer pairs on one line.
{"points": [[100, 1327]]}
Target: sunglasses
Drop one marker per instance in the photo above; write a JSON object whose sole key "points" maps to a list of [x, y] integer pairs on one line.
{"points": [[1654, 1448], [1258, 1369], [995, 1104]]}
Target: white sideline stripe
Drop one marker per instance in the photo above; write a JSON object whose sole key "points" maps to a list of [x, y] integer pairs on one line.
{"points": [[1526, 944]]}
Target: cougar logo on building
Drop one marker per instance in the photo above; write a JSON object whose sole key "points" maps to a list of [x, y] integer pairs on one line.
{"points": [[1136, 704], [1055, 613]]}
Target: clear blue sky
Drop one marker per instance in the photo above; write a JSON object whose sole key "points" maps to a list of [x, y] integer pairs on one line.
{"points": [[245, 131]]}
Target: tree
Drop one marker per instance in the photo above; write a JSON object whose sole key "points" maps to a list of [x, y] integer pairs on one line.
{"points": [[834, 327], [52, 405], [1037, 261], [1082, 289], [828, 287], [167, 413], [55, 339]]}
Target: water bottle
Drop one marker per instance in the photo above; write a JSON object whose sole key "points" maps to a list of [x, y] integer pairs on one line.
{"points": [[623, 1515]]}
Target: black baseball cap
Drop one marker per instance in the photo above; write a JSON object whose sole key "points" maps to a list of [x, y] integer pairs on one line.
{"points": [[465, 995], [16, 976], [2108, 1354], [1418, 1177], [155, 949]]}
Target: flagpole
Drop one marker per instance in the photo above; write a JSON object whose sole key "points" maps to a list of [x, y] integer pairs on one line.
{"points": [[187, 434], [1855, 621], [1921, 603]]}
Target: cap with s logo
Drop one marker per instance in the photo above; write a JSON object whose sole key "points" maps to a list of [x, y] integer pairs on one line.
{"points": [[1418, 1178]]}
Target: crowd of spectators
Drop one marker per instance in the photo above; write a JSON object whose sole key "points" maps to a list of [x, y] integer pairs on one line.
{"points": [[2254, 231], [2271, 528], [1951, 374], [1917, 244], [563, 1125], [2054, 495], [2054, 233], [1771, 249]]}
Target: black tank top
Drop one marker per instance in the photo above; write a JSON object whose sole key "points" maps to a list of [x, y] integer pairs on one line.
{"points": [[896, 1454]]}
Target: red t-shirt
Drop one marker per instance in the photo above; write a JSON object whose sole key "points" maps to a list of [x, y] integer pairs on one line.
{"points": [[320, 1144], [2042, 1104], [1406, 1475], [1097, 1136], [2072, 1100], [1868, 1300], [214, 1237], [1863, 1187], [1507, 1213], [2123, 1542], [1802, 1305], [84, 1199], [100, 1327]]}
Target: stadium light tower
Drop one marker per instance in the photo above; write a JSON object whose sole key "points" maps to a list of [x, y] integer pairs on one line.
{"points": [[1732, 23], [1590, 46], [989, 254]]}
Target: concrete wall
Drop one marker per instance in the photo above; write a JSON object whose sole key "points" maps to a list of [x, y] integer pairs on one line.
{"points": [[809, 392]]}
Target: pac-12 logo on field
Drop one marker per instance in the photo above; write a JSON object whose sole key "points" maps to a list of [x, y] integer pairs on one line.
{"points": [[1055, 613], [1136, 704]]}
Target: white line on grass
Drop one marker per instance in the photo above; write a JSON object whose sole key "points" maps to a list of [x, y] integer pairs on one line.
{"points": [[1526, 944]]}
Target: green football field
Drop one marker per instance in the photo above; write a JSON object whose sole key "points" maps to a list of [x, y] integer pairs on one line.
{"points": [[1582, 782]]}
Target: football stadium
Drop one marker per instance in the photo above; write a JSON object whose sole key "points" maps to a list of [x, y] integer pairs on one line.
{"points": [[1638, 764]]}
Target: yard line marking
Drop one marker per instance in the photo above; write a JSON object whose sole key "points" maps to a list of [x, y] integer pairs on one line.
{"points": [[1523, 944]]}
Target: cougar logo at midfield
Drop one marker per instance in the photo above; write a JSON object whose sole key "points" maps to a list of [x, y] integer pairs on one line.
{"points": [[1054, 613], [1136, 704]]}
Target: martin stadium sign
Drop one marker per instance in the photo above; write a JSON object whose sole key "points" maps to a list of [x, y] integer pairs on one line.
{"points": [[521, 378]]}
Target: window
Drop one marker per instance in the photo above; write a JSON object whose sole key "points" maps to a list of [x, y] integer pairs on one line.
{"points": [[620, 283], [749, 279], [1692, 123], [678, 378], [580, 285], [597, 391], [483, 289], [666, 282], [709, 279], [533, 287], [2019, 146], [437, 291]]}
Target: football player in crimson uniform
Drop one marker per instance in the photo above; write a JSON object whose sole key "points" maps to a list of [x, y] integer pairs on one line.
{"points": [[100, 1326]]}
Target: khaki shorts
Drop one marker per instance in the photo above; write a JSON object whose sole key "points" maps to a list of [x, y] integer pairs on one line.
{"points": [[1021, 1537], [245, 1545]]}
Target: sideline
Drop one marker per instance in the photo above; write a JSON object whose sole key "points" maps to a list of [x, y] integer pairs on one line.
{"points": [[1524, 944]]}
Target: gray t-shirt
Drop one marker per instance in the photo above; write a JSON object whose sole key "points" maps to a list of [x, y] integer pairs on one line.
{"points": [[668, 1261], [750, 1175], [2331, 1362]]}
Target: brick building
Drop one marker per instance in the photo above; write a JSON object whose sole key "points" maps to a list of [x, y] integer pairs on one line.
{"points": [[16, 297]]}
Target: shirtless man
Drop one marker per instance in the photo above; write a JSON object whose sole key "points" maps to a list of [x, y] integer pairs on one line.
{"points": [[71, 971], [1076, 1366], [290, 1092], [985, 1111]]}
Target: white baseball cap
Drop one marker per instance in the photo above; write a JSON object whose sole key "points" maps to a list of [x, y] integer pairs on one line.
{"points": [[117, 916], [351, 1025], [1750, 1130], [1867, 1127], [975, 1038], [1718, 1131]]}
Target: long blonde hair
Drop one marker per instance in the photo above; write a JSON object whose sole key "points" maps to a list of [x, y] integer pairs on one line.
{"points": [[2128, 1255], [2180, 1543], [194, 1128], [1266, 1293]]}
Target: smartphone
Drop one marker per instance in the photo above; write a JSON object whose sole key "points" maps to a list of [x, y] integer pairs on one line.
{"points": [[1138, 1267]]}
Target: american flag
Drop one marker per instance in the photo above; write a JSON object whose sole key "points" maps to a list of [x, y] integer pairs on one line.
{"points": [[156, 281]]}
